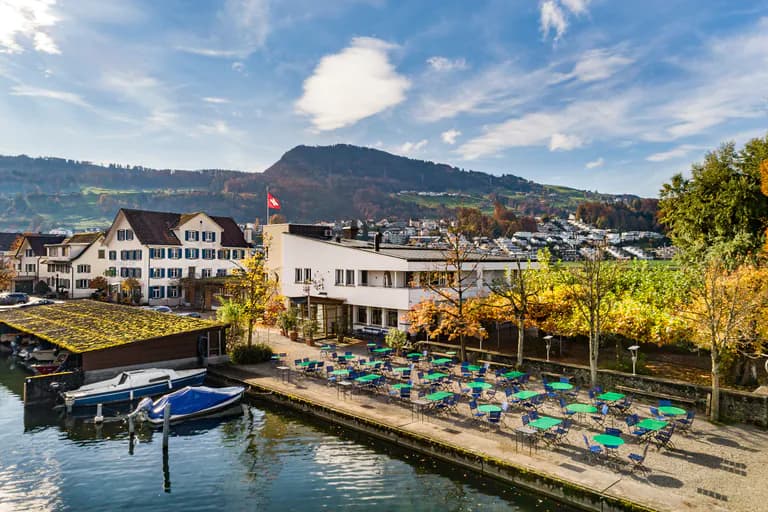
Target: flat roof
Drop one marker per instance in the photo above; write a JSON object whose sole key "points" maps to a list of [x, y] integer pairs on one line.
{"points": [[85, 325]]}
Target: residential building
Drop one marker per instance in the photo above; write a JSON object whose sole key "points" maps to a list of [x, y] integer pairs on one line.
{"points": [[176, 258], [354, 285], [6, 242], [28, 255], [70, 265]]}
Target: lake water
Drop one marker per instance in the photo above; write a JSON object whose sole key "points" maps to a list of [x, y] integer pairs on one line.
{"points": [[265, 459]]}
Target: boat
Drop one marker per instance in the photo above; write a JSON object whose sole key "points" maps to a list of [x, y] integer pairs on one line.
{"points": [[133, 384], [45, 368], [190, 402]]}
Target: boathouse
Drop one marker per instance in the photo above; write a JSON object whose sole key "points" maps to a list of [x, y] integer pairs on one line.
{"points": [[103, 339]]}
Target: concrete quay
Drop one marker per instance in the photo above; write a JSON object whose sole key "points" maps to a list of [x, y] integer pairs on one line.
{"points": [[713, 468]]}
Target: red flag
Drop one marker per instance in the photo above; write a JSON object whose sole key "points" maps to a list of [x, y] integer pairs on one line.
{"points": [[272, 202]]}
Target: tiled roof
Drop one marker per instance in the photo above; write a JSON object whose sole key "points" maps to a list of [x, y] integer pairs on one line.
{"points": [[6, 240], [83, 238], [39, 241], [156, 228], [85, 325], [232, 235]]}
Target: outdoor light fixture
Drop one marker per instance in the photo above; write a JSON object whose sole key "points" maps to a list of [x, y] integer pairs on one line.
{"points": [[633, 349], [548, 340]]}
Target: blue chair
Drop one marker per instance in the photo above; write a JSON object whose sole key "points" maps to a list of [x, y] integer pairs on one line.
{"points": [[685, 424], [600, 418], [476, 414], [534, 415], [563, 408], [665, 403], [593, 450], [573, 393], [656, 414], [405, 393], [526, 420], [638, 460], [494, 418], [565, 380]]}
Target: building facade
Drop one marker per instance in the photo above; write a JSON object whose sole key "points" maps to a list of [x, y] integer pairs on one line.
{"points": [[70, 265], [28, 256]]}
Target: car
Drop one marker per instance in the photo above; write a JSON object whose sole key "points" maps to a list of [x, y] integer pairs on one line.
{"points": [[162, 309], [9, 299], [190, 314]]}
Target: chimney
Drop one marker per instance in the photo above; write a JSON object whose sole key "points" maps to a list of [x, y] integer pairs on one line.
{"points": [[377, 242]]}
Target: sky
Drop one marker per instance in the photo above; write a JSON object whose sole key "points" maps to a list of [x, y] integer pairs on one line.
{"points": [[605, 95]]}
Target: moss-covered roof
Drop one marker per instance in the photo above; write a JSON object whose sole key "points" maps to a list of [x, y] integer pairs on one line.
{"points": [[86, 325]]}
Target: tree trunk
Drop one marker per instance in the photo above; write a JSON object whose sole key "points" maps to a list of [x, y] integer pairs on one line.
{"points": [[462, 348], [593, 343], [714, 409], [520, 340], [250, 332]]}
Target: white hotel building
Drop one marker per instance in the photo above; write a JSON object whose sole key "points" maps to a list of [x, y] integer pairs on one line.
{"points": [[357, 284]]}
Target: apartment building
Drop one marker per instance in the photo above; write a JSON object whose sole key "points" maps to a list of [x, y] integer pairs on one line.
{"points": [[27, 256], [70, 265]]}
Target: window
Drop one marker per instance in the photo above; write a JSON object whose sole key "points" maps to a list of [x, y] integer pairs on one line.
{"points": [[209, 236], [157, 273], [156, 292], [362, 315], [191, 254], [82, 284], [307, 274], [83, 269], [130, 255], [113, 255], [206, 272], [192, 236], [224, 254], [350, 277], [157, 254], [391, 318], [174, 273], [376, 316], [111, 272], [174, 253], [124, 234], [221, 272], [339, 276], [53, 251], [209, 254], [63, 283], [363, 278], [29, 253], [191, 272], [101, 254], [297, 276], [30, 267], [387, 279], [173, 292], [130, 272]]}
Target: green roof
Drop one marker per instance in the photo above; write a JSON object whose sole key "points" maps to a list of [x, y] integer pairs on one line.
{"points": [[86, 325]]}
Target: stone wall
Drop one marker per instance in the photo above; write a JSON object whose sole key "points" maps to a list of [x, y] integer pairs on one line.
{"points": [[735, 406]]}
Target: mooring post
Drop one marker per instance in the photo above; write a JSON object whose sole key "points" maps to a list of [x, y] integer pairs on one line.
{"points": [[99, 416], [131, 434], [166, 424]]}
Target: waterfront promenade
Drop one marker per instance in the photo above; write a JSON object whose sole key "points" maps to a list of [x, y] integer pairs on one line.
{"points": [[713, 468]]}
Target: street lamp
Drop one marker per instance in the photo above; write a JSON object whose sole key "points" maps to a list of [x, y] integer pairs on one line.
{"points": [[548, 340], [633, 349]]}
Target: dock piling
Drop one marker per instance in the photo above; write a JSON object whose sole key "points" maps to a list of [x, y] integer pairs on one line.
{"points": [[99, 416], [131, 434], [166, 425]]}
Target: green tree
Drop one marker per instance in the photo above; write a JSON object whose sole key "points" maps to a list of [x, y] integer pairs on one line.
{"points": [[253, 290], [231, 312]]}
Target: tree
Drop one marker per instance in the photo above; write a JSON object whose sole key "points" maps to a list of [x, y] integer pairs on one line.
{"points": [[515, 292], [7, 273], [253, 290], [231, 312], [100, 284], [396, 339], [589, 286], [42, 288], [451, 283], [131, 289], [443, 318]]}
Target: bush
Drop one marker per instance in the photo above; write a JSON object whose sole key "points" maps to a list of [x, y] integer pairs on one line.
{"points": [[254, 354]]}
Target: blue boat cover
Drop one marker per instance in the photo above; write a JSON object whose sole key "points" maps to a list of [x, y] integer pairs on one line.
{"points": [[190, 400]]}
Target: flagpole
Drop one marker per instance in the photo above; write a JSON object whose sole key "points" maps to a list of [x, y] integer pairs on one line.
{"points": [[267, 199]]}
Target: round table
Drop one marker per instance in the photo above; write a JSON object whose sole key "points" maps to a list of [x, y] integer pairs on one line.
{"points": [[401, 369], [441, 361], [608, 441], [560, 386], [340, 372], [525, 394], [473, 368], [382, 350], [435, 376], [581, 408], [489, 408], [611, 396], [372, 363], [479, 385], [669, 410], [401, 385]]}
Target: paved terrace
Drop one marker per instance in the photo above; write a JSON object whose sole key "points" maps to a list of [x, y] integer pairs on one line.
{"points": [[713, 468]]}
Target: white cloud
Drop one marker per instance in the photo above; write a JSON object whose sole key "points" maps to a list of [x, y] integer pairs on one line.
{"points": [[35, 92], [677, 152], [27, 20], [238, 66], [216, 127], [577, 7], [446, 64], [215, 100], [351, 85], [594, 164], [598, 64], [408, 148], [149, 94], [552, 18], [563, 142], [449, 137]]}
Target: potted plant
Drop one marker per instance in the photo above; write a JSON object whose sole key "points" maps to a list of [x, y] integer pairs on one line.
{"points": [[287, 321], [309, 328], [396, 340]]}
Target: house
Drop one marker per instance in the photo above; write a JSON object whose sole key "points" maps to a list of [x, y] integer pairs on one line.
{"points": [[174, 257], [28, 255], [6, 243], [352, 285], [70, 265]]}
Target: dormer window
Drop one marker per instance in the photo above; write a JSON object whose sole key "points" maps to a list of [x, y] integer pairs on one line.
{"points": [[192, 236], [124, 234], [209, 236]]}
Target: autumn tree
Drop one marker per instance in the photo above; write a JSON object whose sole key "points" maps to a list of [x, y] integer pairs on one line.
{"points": [[7, 272], [253, 290], [231, 312], [443, 318]]}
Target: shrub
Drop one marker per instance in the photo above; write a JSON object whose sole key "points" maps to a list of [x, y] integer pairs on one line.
{"points": [[254, 354]]}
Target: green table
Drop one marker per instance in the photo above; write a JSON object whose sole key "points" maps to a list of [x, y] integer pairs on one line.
{"points": [[307, 363], [611, 396], [401, 385], [525, 394], [382, 350], [608, 441], [368, 378], [473, 368], [581, 408], [440, 395], [669, 410], [401, 369], [435, 376], [340, 372], [345, 358], [413, 354], [479, 385], [489, 408], [560, 386], [371, 345], [450, 353], [372, 363], [441, 361], [514, 374], [545, 423], [652, 424]]}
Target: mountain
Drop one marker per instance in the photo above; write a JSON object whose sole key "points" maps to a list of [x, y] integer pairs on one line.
{"points": [[313, 183]]}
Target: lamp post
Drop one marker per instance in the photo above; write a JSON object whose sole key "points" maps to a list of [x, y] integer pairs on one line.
{"points": [[633, 350], [548, 341]]}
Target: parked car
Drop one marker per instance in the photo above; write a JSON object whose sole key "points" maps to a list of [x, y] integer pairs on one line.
{"points": [[190, 314], [162, 309], [8, 299]]}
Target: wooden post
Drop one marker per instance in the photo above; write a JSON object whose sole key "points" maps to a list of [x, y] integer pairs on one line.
{"points": [[99, 416], [166, 425], [131, 434]]}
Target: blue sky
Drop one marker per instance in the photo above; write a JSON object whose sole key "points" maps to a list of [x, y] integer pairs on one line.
{"points": [[614, 96]]}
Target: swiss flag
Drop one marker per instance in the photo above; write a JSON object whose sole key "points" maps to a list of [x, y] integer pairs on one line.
{"points": [[272, 202]]}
